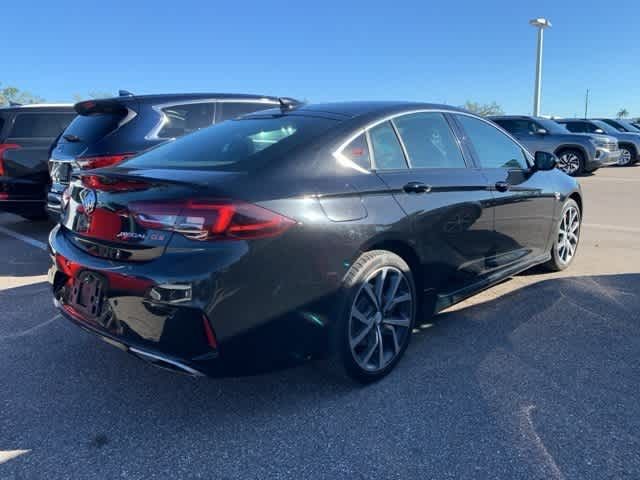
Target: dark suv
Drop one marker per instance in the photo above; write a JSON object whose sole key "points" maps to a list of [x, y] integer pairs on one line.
{"points": [[26, 135], [107, 131]]}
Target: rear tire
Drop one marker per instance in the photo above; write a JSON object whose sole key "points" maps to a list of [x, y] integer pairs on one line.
{"points": [[571, 162], [567, 237], [377, 316]]}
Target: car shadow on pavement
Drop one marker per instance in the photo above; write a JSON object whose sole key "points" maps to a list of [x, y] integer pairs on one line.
{"points": [[539, 383]]}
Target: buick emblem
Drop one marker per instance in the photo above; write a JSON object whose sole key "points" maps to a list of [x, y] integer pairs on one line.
{"points": [[89, 200]]}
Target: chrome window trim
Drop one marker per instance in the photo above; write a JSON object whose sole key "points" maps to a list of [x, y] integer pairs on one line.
{"points": [[343, 160], [153, 134]]}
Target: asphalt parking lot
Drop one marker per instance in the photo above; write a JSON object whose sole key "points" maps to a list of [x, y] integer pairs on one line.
{"points": [[536, 378]]}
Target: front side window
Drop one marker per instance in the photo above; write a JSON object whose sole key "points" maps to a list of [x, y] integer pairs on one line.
{"points": [[187, 118], [429, 141], [387, 152], [575, 127], [40, 125], [493, 148], [517, 126]]}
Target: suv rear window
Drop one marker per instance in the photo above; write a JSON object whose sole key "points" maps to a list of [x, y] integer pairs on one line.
{"points": [[229, 110], [236, 145], [91, 128], [40, 125]]}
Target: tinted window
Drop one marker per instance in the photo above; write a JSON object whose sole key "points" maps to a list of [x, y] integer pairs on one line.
{"points": [[387, 152], [236, 145], [429, 141], [91, 128], [229, 110], [493, 148], [575, 127], [517, 127], [358, 152], [182, 119], [40, 125]]}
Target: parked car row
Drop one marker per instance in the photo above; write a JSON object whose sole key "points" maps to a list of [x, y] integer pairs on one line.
{"points": [[41, 145], [294, 232]]}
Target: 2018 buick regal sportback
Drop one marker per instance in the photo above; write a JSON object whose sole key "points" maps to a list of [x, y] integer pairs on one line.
{"points": [[295, 231]]}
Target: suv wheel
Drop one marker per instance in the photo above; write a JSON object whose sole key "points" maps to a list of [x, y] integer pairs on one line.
{"points": [[571, 162], [567, 237], [627, 156], [378, 314]]}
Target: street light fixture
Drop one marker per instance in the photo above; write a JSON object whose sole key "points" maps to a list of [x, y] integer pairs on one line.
{"points": [[540, 24]]}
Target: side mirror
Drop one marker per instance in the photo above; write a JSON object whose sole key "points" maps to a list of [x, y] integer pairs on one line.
{"points": [[545, 161], [541, 131]]}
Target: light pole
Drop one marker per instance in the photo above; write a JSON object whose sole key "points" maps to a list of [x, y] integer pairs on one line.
{"points": [[540, 24]]}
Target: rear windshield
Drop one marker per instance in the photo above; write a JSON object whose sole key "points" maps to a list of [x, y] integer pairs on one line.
{"points": [[91, 128], [40, 125], [236, 145]]}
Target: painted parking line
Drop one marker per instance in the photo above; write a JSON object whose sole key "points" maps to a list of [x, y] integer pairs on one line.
{"points": [[613, 228], [23, 238]]}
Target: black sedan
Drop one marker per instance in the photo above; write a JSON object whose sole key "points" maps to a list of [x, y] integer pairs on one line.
{"points": [[304, 231]]}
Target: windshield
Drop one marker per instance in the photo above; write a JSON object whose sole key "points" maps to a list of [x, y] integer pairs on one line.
{"points": [[234, 145], [551, 126], [605, 126], [630, 127]]}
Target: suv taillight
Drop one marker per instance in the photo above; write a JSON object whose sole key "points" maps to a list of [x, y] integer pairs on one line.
{"points": [[87, 163], [3, 148], [211, 219]]}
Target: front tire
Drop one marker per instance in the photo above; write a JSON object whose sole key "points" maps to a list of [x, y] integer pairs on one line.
{"points": [[627, 156], [377, 316], [571, 162], [567, 238]]}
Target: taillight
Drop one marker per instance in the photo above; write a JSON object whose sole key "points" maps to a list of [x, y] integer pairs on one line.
{"points": [[208, 332], [87, 163], [211, 219], [3, 148], [110, 184]]}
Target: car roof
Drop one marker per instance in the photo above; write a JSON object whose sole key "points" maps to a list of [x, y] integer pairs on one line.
{"points": [[512, 117], [359, 108], [170, 97]]}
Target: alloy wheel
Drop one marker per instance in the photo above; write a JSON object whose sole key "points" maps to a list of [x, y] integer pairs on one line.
{"points": [[625, 157], [569, 163], [380, 321], [568, 235]]}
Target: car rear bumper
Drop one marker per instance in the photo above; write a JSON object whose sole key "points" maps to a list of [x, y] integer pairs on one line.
{"points": [[256, 323]]}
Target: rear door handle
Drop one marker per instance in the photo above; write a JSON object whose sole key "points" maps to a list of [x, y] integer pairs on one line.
{"points": [[416, 187], [502, 186]]}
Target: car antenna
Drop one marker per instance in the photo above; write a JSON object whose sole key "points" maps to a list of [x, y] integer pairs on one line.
{"points": [[125, 93]]}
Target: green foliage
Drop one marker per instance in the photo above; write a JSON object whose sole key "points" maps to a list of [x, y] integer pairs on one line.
{"points": [[483, 109], [622, 113], [15, 95]]}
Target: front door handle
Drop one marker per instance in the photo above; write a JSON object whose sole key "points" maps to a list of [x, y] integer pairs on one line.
{"points": [[502, 186], [416, 187]]}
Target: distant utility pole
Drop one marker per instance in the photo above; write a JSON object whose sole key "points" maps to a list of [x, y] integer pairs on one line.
{"points": [[540, 24], [586, 104]]}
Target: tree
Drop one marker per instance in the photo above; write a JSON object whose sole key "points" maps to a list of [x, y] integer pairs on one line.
{"points": [[623, 113], [483, 109], [15, 95]]}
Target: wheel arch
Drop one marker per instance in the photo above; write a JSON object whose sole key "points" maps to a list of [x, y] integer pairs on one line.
{"points": [[576, 197], [566, 147]]}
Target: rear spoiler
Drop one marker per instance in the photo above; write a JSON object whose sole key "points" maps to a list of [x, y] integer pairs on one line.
{"points": [[107, 105]]}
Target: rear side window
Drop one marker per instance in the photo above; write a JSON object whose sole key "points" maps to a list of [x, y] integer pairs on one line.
{"points": [[187, 118], [236, 145], [518, 127], [230, 110], [358, 152], [40, 125], [492, 147], [429, 141], [91, 128], [387, 152]]}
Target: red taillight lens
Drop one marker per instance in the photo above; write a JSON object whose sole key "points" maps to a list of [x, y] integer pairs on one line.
{"points": [[88, 163], [208, 332], [3, 148], [211, 219], [108, 184]]}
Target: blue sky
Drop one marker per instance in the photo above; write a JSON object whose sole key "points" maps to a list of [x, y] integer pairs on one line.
{"points": [[330, 50]]}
